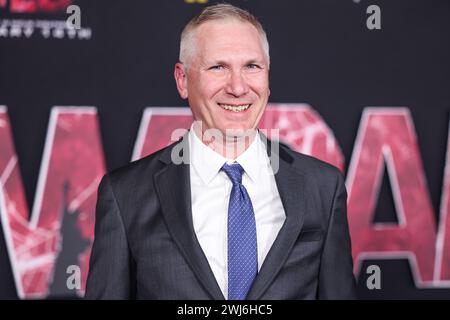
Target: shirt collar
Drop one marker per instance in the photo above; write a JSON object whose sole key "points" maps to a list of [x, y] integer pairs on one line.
{"points": [[207, 163], [253, 158]]}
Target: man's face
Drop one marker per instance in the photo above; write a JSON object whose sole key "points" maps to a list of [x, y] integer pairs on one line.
{"points": [[227, 80]]}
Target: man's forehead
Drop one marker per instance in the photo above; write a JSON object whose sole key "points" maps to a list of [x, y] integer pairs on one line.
{"points": [[231, 56]]}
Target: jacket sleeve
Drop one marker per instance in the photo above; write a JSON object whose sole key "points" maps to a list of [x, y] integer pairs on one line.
{"points": [[109, 266], [336, 279]]}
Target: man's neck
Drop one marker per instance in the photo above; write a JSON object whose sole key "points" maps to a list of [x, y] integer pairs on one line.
{"points": [[230, 147]]}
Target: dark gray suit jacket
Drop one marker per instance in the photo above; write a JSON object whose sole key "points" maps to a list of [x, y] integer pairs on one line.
{"points": [[145, 246]]}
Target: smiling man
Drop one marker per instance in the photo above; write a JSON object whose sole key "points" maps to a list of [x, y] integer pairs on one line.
{"points": [[226, 224], [224, 73]]}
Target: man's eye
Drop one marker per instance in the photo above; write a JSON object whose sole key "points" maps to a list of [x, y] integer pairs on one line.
{"points": [[217, 67], [253, 66]]}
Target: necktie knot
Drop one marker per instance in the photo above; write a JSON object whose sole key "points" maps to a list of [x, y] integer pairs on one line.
{"points": [[234, 172]]}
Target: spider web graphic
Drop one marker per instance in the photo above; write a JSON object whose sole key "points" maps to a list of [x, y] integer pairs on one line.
{"points": [[33, 241], [302, 128]]}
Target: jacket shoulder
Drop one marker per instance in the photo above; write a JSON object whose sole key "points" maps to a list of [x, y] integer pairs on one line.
{"points": [[137, 170]]}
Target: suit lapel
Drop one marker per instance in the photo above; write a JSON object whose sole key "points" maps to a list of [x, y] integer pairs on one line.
{"points": [[174, 192], [291, 187]]}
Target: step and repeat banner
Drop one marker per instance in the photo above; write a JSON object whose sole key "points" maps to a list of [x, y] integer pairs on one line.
{"points": [[87, 86]]}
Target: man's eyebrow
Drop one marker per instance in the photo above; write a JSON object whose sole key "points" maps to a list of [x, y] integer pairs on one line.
{"points": [[255, 61], [221, 62]]}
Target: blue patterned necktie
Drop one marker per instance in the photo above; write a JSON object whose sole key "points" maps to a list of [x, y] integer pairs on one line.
{"points": [[242, 246]]}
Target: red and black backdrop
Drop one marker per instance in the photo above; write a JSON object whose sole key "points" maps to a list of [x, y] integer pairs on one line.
{"points": [[375, 103]]}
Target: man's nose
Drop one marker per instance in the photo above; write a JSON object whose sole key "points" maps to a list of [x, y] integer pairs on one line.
{"points": [[237, 84]]}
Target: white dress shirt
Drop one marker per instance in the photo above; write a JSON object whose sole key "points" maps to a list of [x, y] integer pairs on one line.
{"points": [[210, 192]]}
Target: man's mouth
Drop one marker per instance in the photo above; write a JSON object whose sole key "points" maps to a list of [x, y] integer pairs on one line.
{"points": [[235, 107]]}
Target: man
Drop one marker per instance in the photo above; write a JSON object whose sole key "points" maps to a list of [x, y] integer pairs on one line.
{"points": [[226, 223]]}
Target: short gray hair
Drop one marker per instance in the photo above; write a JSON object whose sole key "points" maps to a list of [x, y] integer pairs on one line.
{"points": [[221, 11]]}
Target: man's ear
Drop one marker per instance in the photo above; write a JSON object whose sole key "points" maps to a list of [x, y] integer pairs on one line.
{"points": [[181, 80]]}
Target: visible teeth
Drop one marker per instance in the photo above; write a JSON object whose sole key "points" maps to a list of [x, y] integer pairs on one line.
{"points": [[235, 108]]}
